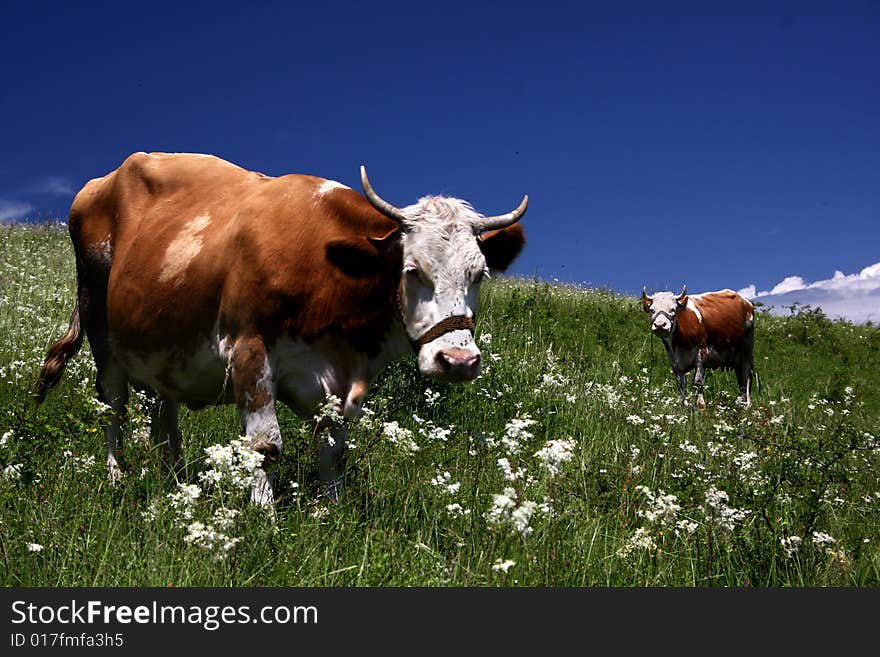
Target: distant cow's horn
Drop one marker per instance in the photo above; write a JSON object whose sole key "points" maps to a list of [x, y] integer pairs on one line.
{"points": [[378, 202], [503, 220], [683, 294], [645, 296]]}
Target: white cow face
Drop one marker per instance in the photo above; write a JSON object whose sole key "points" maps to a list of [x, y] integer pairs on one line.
{"points": [[663, 307], [448, 250], [443, 267]]}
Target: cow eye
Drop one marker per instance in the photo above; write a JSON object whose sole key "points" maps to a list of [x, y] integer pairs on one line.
{"points": [[481, 276], [416, 275]]}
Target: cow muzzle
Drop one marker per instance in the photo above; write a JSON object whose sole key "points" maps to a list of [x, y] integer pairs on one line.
{"points": [[661, 331], [447, 352], [456, 365]]}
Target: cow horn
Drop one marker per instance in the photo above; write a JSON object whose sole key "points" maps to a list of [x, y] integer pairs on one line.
{"points": [[503, 220], [378, 202], [645, 296], [683, 294]]}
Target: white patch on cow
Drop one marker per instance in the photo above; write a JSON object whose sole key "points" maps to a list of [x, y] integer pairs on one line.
{"points": [[692, 306], [306, 374], [329, 185], [183, 249], [200, 377]]}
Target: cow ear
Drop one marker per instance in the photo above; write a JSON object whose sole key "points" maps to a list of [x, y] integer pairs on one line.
{"points": [[501, 247], [386, 242], [682, 301], [646, 304], [354, 257]]}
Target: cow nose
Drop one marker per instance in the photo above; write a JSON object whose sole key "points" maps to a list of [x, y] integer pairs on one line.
{"points": [[660, 328], [458, 364]]}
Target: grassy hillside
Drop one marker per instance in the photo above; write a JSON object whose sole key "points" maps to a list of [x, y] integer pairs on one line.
{"points": [[569, 462]]}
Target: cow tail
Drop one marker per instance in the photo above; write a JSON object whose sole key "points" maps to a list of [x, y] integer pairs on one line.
{"points": [[59, 353], [756, 380]]}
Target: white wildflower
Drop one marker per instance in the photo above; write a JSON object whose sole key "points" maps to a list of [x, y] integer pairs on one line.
{"points": [[516, 431], [400, 436], [503, 566], [821, 539], [790, 544], [720, 513], [431, 397], [507, 470], [455, 510], [661, 509], [554, 453], [234, 464], [34, 547], [642, 539], [329, 410], [444, 481]]}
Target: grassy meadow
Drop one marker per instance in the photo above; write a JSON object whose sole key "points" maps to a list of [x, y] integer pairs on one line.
{"points": [[569, 462]]}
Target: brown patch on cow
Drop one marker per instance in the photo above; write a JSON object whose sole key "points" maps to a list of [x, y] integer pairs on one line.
{"points": [[725, 315], [249, 375], [689, 333], [501, 247]]}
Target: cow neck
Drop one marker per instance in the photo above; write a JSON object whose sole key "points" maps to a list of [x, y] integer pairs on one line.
{"points": [[444, 326]]}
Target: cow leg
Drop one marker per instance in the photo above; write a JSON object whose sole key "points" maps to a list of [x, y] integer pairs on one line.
{"points": [[255, 396], [331, 449], [744, 378], [745, 365], [165, 432], [699, 376], [112, 386], [682, 386], [111, 381]]}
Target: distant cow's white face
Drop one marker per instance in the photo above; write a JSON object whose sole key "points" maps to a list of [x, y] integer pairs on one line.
{"points": [[662, 307], [443, 267]]}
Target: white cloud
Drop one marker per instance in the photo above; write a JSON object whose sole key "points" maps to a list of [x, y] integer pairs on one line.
{"points": [[748, 292], [57, 185], [789, 284], [14, 209], [855, 297]]}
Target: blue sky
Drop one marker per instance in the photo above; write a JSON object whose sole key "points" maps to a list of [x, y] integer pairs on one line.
{"points": [[712, 144]]}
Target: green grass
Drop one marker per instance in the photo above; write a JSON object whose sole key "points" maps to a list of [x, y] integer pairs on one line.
{"points": [[784, 493]]}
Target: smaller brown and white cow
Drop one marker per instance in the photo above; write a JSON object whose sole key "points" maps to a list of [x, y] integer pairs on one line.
{"points": [[704, 331]]}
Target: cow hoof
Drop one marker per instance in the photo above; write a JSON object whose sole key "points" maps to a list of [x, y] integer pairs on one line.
{"points": [[114, 474], [330, 491], [271, 453]]}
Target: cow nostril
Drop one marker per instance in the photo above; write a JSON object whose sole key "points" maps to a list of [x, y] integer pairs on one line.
{"points": [[457, 359]]}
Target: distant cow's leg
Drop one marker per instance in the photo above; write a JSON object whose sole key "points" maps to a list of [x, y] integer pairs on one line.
{"points": [[744, 367], [682, 386], [165, 432], [255, 396]]}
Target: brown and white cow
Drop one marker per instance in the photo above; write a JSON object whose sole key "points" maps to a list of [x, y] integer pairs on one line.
{"points": [[205, 283], [704, 331]]}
